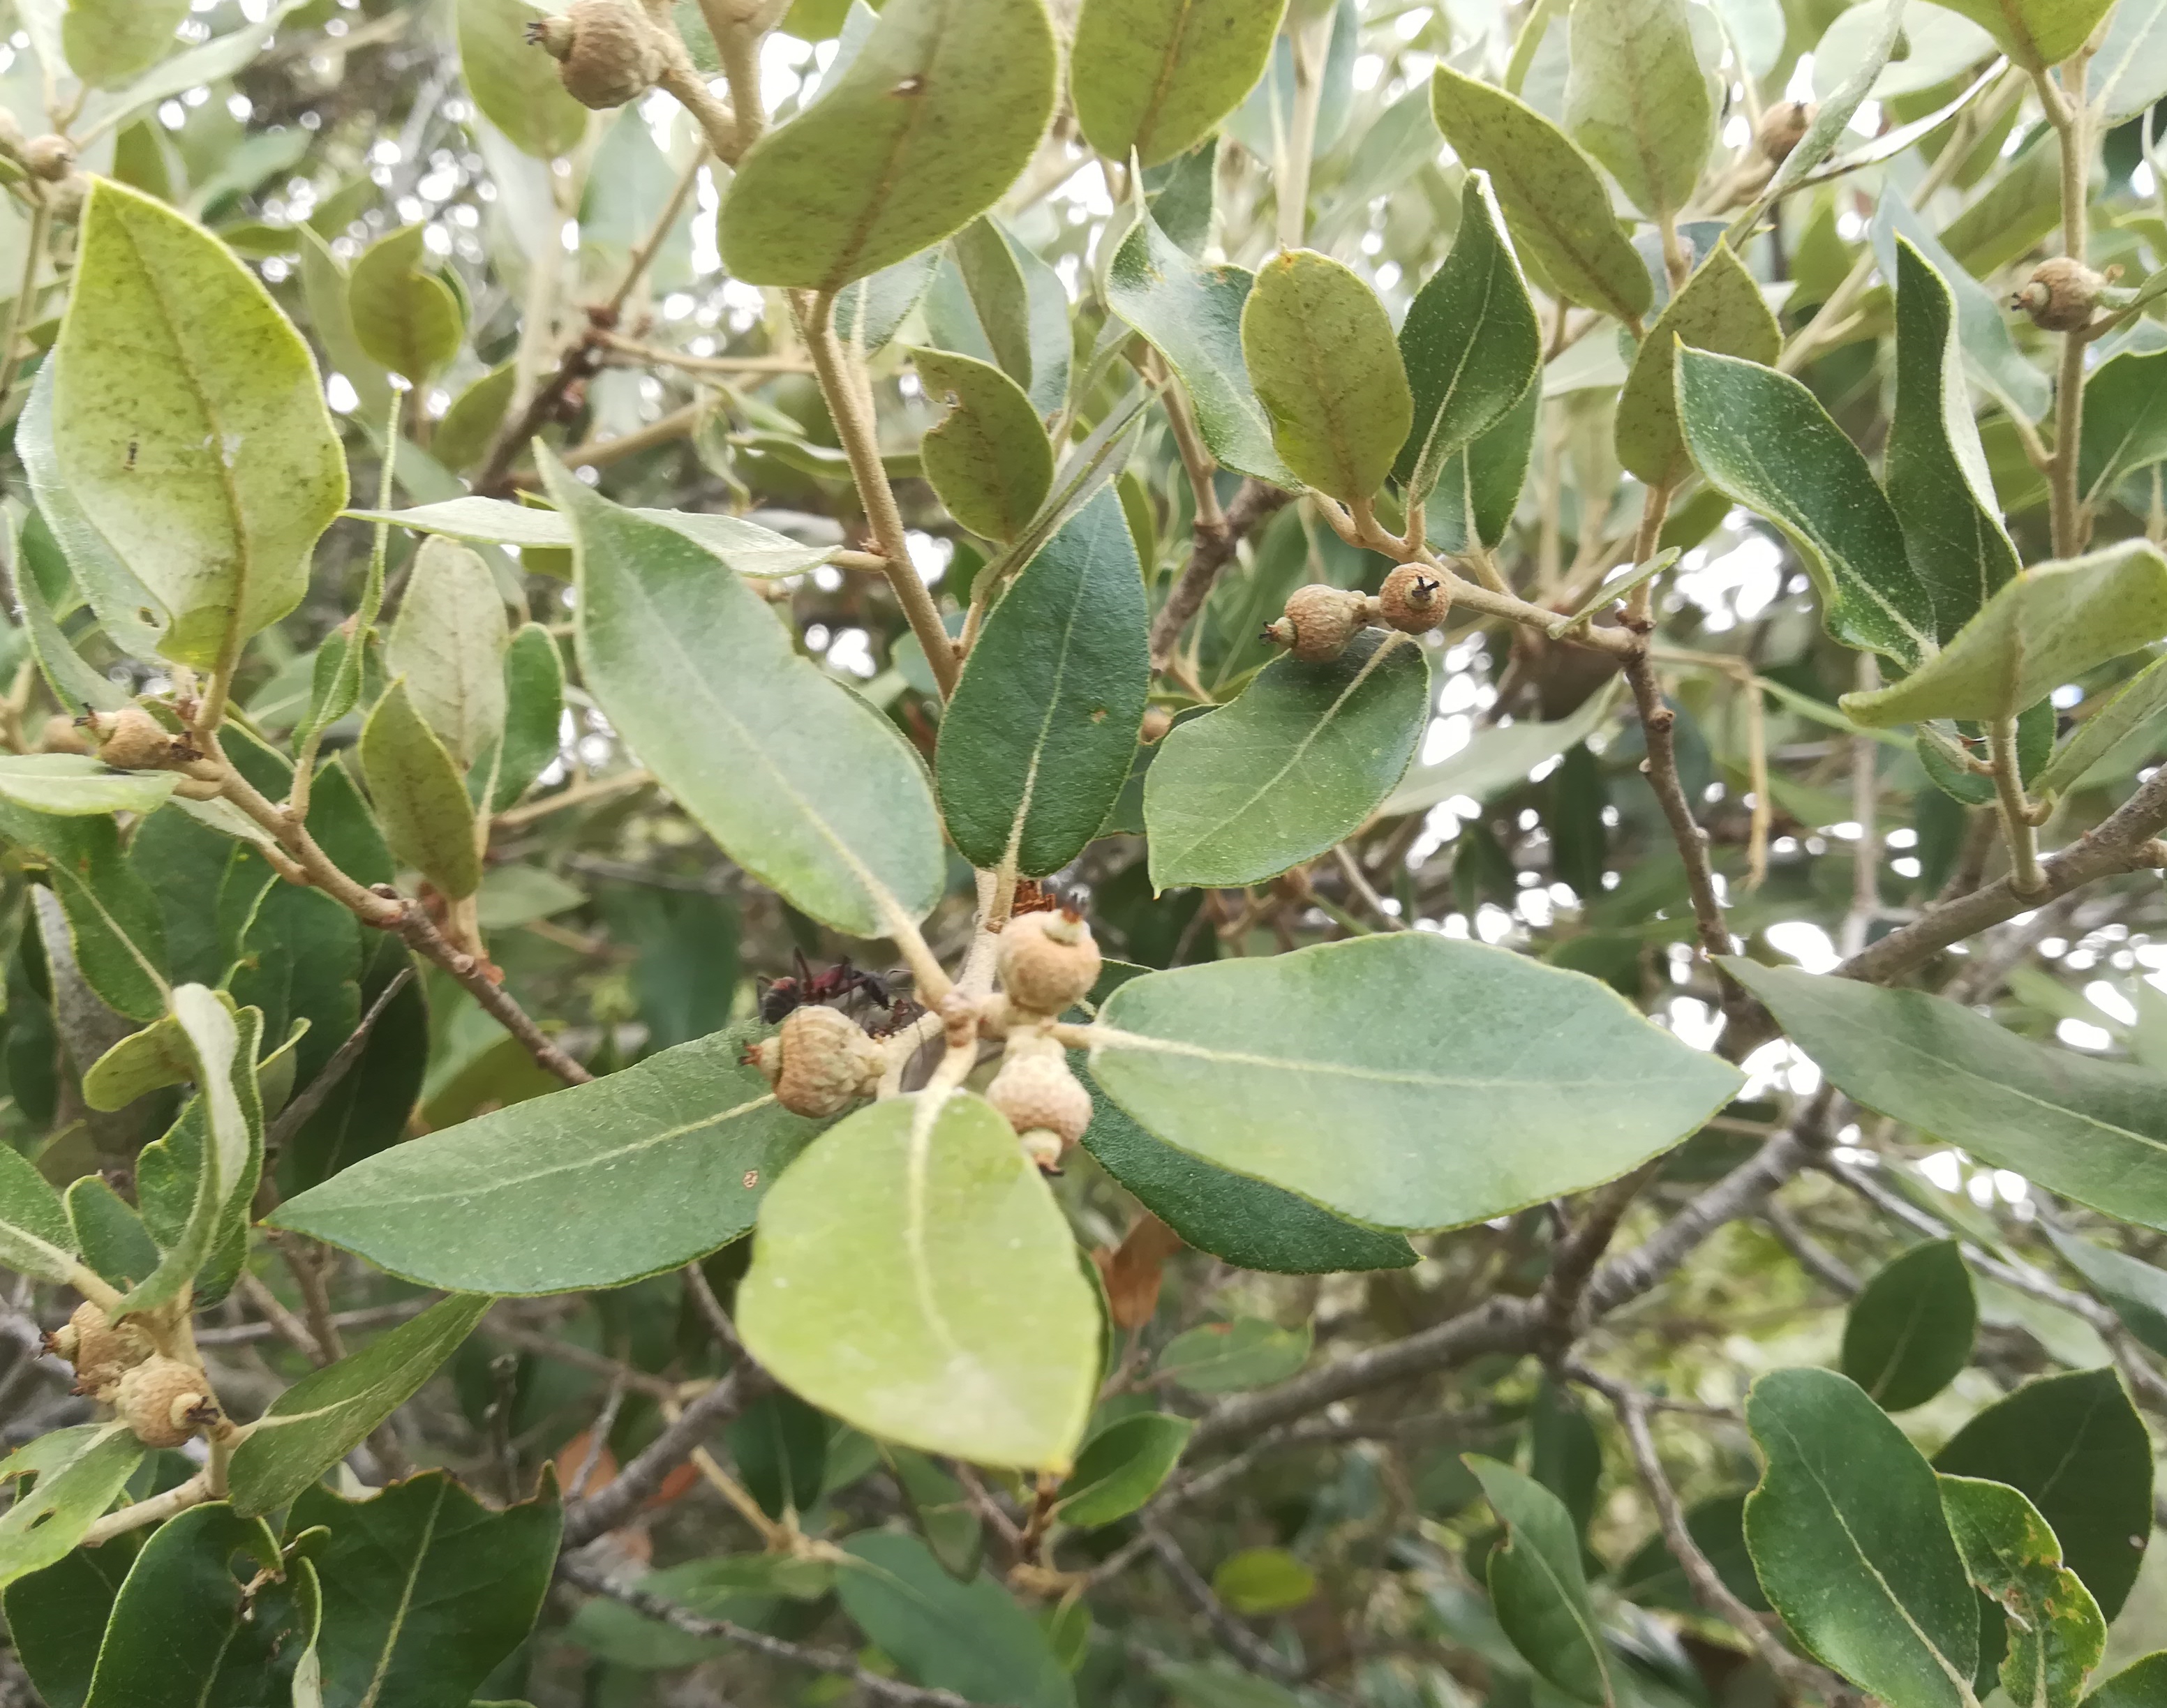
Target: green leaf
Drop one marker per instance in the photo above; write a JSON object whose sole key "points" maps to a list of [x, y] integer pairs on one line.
{"points": [[1479, 490], [1300, 760], [812, 792], [114, 1242], [470, 425], [2125, 421], [1320, 348], [533, 713], [426, 1588], [968, 1638], [1847, 1534], [1982, 318], [2138, 1685], [2056, 1633], [419, 799], [448, 643], [114, 930], [2046, 627], [2129, 72], [1234, 1356], [79, 1472], [2036, 33], [779, 1444], [936, 116], [1154, 77], [1222, 1685], [184, 1622], [109, 41], [2095, 1131], [74, 784], [2135, 705], [870, 311], [73, 681], [1257, 1581], [220, 1047], [988, 458], [1909, 1332], [1036, 743], [1720, 307], [745, 546], [2136, 1291], [1470, 343], [530, 1198], [1462, 1082], [2076, 1448], [1552, 194], [1937, 478], [1121, 1468], [407, 318], [325, 1415], [513, 83], [1764, 440], [139, 1064], [36, 1238], [1637, 99], [189, 426], [1191, 313], [1537, 1586], [56, 1619], [1021, 306], [961, 1324], [1654, 1578]]}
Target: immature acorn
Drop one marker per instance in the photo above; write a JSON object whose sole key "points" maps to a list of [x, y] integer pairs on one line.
{"points": [[51, 158], [1781, 128], [62, 734], [1043, 1101], [607, 52], [1320, 620], [1157, 721], [130, 740], [2061, 294], [101, 1352], [820, 1062], [1413, 599], [1048, 962], [163, 1401]]}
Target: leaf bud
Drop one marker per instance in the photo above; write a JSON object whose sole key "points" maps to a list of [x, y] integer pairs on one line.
{"points": [[1320, 620], [1048, 962], [607, 53], [1413, 599], [2061, 294], [51, 158], [820, 1062], [1781, 128], [164, 1402]]}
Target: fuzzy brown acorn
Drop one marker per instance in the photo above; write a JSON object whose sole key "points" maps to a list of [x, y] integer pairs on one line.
{"points": [[1320, 620], [1042, 1100], [607, 53], [1048, 962], [2061, 294], [101, 1351], [1413, 599], [130, 740], [1783, 128], [820, 1061], [164, 1402]]}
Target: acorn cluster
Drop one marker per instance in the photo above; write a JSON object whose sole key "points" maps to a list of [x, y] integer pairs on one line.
{"points": [[1321, 620], [163, 1400], [50, 161], [1048, 963], [820, 1061], [607, 51]]}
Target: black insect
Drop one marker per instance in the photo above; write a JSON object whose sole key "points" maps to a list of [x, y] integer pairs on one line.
{"points": [[840, 984]]}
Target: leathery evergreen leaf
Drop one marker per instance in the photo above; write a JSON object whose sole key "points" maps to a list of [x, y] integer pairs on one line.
{"points": [[1937, 477], [77, 784], [525, 1199], [2045, 626], [1764, 440], [970, 1637], [1191, 313], [2036, 33], [960, 1323], [1720, 307], [1537, 1586], [801, 783], [420, 798], [447, 643], [515, 87], [189, 426], [321, 1418], [2138, 1685], [1551, 192], [426, 1588], [1121, 1468], [939, 111], [745, 546], [407, 318], [2056, 1636], [2076, 1447], [1909, 1332], [2095, 1131], [1637, 99], [1304, 756], [36, 1238], [1470, 343], [2136, 1290], [1847, 1535], [79, 1472], [1326, 369], [107, 916], [1036, 743], [1154, 77], [987, 458], [1464, 1082]]}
